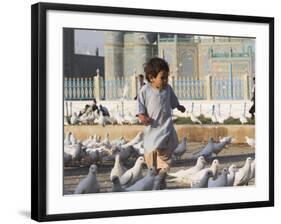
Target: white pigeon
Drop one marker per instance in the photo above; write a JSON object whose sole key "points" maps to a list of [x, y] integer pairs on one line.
{"points": [[220, 119], [250, 141], [119, 141], [67, 139], [243, 119], [181, 148], [88, 140], [139, 148], [131, 119], [214, 168], [193, 118], [119, 118], [84, 118], [72, 138], [200, 164], [90, 183], [144, 184], [242, 176], [118, 169], [135, 140], [66, 120], [74, 119], [106, 141], [134, 174], [231, 174], [102, 120], [220, 181], [214, 119], [74, 150]]}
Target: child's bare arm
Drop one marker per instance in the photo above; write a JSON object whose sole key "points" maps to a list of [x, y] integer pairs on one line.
{"points": [[144, 119]]}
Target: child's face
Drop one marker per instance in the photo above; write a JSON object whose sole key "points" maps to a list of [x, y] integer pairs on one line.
{"points": [[160, 81]]}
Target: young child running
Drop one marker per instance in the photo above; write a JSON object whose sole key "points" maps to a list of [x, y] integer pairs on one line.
{"points": [[155, 102]]}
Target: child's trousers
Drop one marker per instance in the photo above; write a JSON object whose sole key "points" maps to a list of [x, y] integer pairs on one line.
{"points": [[159, 158]]}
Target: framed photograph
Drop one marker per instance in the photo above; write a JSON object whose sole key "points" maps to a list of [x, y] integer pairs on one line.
{"points": [[140, 111]]}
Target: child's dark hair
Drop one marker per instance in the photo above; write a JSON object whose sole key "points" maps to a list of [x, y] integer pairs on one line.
{"points": [[141, 76], [154, 66]]}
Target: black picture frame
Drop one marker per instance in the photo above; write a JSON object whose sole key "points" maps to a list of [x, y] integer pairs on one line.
{"points": [[39, 110]]}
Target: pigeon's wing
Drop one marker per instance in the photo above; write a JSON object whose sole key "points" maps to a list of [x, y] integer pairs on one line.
{"points": [[240, 177], [80, 189], [126, 178]]}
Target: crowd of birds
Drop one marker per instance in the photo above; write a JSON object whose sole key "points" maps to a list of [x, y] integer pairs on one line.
{"points": [[90, 117], [136, 177]]}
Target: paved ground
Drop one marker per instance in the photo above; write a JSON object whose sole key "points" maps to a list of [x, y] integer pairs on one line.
{"points": [[234, 153]]}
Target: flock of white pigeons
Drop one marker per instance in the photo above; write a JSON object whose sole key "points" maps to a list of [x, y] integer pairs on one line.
{"points": [[94, 117], [137, 178], [91, 117]]}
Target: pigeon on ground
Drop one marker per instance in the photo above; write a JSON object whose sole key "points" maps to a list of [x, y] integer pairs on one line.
{"points": [[193, 118], [126, 153], [116, 185], [231, 175], [243, 119], [144, 184], [95, 157], [90, 183], [220, 181], [203, 181], [207, 150], [118, 142], [181, 148], [220, 119], [74, 119], [67, 139], [250, 141], [118, 169], [253, 168], [218, 147], [102, 120], [242, 176], [88, 140], [73, 140], [227, 139], [191, 171], [75, 151], [139, 148], [214, 168], [134, 174], [106, 141], [131, 119]]}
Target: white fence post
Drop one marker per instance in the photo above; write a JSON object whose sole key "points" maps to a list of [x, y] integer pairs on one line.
{"points": [[246, 86], [209, 87], [97, 87], [134, 86]]}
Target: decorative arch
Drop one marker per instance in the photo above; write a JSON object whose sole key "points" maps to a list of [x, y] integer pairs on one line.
{"points": [[187, 63]]}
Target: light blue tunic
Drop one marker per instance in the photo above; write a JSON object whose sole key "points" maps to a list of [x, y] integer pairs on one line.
{"points": [[158, 105]]}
